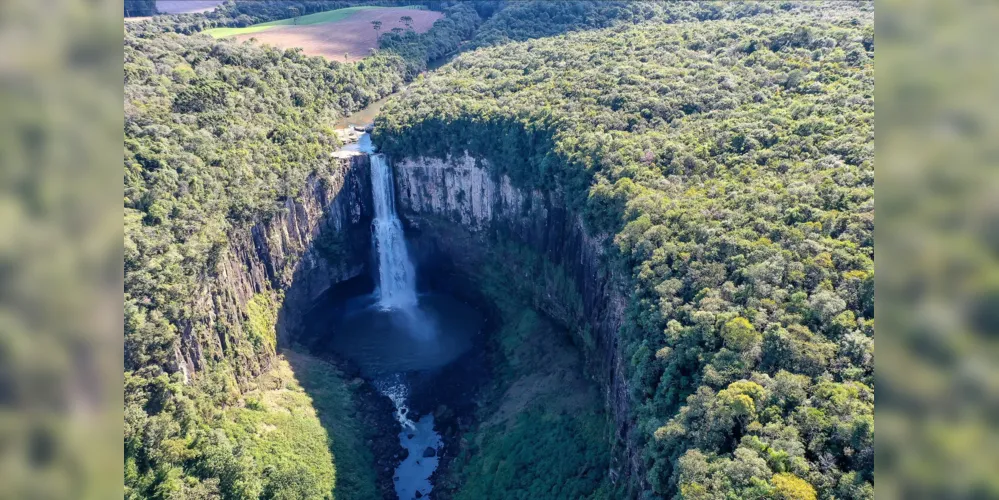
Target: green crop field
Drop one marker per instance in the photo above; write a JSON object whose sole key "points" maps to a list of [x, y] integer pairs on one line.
{"points": [[317, 18]]}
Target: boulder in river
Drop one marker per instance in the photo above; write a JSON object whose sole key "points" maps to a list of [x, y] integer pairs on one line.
{"points": [[429, 452]]}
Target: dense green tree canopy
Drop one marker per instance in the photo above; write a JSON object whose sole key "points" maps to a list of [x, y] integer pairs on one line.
{"points": [[524, 20], [444, 39], [217, 135], [723, 150], [730, 166]]}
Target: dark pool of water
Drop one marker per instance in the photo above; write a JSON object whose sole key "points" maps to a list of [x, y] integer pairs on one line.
{"points": [[385, 342], [428, 361]]}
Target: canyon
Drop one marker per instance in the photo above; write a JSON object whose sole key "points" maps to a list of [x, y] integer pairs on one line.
{"points": [[317, 240], [585, 258], [454, 213], [459, 214]]}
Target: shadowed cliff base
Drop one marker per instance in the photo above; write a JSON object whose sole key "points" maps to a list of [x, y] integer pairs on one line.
{"points": [[542, 428], [522, 389]]}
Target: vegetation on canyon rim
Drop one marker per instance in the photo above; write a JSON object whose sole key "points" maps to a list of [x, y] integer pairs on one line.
{"points": [[217, 136], [728, 163], [733, 164]]}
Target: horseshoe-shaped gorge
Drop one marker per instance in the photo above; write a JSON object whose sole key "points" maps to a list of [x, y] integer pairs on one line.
{"points": [[597, 250]]}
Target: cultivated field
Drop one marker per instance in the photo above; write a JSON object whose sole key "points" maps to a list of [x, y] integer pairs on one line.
{"points": [[344, 34], [186, 6]]}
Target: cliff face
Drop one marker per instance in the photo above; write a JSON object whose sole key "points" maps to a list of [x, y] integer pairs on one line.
{"points": [[456, 209], [277, 268]]}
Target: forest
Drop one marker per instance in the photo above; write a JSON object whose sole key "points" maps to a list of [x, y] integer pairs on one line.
{"points": [[138, 8], [217, 136], [722, 151], [731, 166]]}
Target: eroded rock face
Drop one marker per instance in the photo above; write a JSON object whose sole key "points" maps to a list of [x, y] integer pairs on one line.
{"points": [[456, 208], [317, 240]]}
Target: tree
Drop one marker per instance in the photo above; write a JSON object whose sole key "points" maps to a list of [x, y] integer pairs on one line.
{"points": [[294, 14], [408, 21], [791, 487], [749, 240], [377, 25], [739, 335], [136, 8]]}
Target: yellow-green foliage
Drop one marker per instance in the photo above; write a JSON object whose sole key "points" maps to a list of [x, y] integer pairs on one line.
{"points": [[334, 401], [791, 487], [300, 429], [261, 320], [280, 430], [740, 335], [740, 398], [296, 435]]}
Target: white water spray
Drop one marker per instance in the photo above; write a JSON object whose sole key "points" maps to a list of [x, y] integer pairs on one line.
{"points": [[422, 443], [396, 390], [397, 293], [396, 277]]}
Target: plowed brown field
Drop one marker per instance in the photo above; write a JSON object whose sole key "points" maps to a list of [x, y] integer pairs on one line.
{"points": [[354, 36]]}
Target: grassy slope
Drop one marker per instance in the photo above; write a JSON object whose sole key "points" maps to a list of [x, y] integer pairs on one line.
{"points": [[299, 426], [317, 18]]}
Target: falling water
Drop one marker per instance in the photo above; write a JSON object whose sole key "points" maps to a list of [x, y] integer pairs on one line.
{"points": [[397, 280], [397, 297]]}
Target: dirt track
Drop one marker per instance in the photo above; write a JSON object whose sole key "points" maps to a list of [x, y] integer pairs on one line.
{"points": [[354, 36]]}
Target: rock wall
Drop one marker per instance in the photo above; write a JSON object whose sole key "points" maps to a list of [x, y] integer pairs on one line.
{"points": [[320, 238], [457, 207]]}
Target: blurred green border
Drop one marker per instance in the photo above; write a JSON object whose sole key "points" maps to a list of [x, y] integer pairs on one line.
{"points": [[937, 260], [60, 249], [938, 275]]}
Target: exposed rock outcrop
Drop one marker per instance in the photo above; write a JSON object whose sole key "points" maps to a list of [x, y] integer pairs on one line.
{"points": [[455, 208], [318, 239]]}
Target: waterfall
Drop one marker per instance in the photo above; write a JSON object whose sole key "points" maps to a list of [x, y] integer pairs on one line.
{"points": [[396, 278], [397, 295]]}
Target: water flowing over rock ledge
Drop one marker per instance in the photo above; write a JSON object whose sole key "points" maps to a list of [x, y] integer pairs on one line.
{"points": [[454, 206]]}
